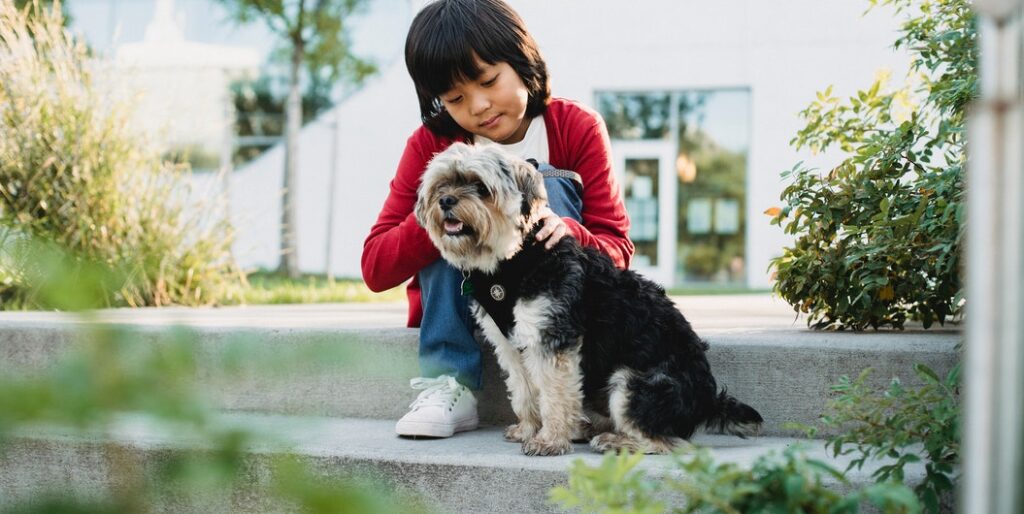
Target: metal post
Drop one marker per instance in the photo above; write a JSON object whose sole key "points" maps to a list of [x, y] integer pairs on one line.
{"points": [[228, 145], [329, 270], [994, 362]]}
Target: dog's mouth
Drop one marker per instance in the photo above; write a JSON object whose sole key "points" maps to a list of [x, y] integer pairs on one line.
{"points": [[454, 227]]}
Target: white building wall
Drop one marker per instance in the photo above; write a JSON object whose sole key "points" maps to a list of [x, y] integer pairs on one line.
{"points": [[373, 125], [783, 52]]}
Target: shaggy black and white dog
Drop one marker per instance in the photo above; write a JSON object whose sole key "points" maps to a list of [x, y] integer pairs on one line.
{"points": [[591, 351]]}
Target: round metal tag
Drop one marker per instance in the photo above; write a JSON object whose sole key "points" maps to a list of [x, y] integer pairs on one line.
{"points": [[497, 292]]}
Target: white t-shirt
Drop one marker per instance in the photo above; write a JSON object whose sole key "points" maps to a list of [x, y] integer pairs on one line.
{"points": [[533, 146]]}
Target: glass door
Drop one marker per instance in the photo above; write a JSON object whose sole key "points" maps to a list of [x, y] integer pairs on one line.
{"points": [[644, 169]]}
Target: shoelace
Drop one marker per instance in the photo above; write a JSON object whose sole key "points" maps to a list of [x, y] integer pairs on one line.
{"points": [[438, 391]]}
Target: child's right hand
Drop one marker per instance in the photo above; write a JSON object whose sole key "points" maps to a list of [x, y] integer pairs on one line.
{"points": [[554, 228]]}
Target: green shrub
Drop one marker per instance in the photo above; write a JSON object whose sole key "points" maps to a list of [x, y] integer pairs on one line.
{"points": [[73, 173], [776, 482], [878, 236], [910, 426]]}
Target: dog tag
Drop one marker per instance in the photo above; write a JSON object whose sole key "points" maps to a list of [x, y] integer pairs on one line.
{"points": [[467, 286]]}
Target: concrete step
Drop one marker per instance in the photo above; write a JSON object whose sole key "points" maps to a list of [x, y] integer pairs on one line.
{"points": [[758, 351], [472, 472]]}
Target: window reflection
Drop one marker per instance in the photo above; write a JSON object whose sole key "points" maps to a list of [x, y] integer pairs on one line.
{"points": [[711, 132], [641, 200]]}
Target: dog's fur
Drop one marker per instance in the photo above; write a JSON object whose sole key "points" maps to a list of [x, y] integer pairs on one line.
{"points": [[594, 352]]}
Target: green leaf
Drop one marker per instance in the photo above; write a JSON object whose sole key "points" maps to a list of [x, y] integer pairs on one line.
{"points": [[926, 373]]}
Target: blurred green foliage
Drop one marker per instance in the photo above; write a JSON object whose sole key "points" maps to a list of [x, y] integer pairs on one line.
{"points": [[917, 425], [786, 482], [114, 376], [111, 377], [878, 236]]}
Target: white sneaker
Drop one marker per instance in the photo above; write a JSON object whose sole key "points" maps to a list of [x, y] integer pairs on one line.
{"points": [[443, 408]]}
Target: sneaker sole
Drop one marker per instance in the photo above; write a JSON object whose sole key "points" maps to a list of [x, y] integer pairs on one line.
{"points": [[427, 429]]}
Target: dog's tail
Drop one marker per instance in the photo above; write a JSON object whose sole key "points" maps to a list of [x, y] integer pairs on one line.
{"points": [[732, 416]]}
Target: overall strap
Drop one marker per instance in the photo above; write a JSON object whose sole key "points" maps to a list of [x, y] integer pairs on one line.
{"points": [[549, 171]]}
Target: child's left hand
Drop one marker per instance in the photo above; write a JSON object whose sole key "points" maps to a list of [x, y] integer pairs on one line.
{"points": [[554, 228]]}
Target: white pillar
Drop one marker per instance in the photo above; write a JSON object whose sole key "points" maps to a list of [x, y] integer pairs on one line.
{"points": [[994, 362]]}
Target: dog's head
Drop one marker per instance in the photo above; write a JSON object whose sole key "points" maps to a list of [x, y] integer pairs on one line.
{"points": [[477, 203]]}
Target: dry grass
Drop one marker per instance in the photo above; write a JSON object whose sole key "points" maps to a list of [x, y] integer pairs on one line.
{"points": [[74, 173]]}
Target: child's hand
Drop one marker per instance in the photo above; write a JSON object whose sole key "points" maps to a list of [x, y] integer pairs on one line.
{"points": [[554, 228]]}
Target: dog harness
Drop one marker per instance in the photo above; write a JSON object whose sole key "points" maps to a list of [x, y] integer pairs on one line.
{"points": [[548, 171], [497, 292]]}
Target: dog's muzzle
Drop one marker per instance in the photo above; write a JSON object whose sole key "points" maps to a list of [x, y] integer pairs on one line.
{"points": [[453, 226]]}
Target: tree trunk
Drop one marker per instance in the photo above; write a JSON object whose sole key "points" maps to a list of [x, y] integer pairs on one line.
{"points": [[293, 125]]}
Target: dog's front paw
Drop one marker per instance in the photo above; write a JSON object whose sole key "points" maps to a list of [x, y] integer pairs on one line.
{"points": [[519, 432], [539, 445]]}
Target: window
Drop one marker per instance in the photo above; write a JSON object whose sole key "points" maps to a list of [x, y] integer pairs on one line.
{"points": [[711, 133]]}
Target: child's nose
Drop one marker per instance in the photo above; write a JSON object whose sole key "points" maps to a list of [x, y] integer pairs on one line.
{"points": [[480, 104]]}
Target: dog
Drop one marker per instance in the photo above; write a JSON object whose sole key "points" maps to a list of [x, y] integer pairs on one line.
{"points": [[591, 352]]}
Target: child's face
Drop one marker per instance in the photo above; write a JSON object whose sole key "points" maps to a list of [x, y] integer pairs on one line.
{"points": [[493, 106]]}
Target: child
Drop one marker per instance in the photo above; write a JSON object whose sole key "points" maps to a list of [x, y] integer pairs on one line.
{"points": [[481, 80]]}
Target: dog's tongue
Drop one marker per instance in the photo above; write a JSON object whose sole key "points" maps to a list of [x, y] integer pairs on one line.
{"points": [[452, 226]]}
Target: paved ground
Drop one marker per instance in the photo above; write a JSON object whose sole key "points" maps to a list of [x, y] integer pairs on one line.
{"points": [[712, 314], [705, 312], [375, 439]]}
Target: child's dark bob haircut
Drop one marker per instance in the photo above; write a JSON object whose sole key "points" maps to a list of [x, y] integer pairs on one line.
{"points": [[444, 39]]}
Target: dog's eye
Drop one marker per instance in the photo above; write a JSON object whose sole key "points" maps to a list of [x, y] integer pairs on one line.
{"points": [[483, 191]]}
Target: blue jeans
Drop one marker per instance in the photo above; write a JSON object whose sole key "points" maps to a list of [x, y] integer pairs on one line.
{"points": [[447, 346]]}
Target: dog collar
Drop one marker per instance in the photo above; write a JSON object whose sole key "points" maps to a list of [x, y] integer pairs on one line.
{"points": [[497, 292]]}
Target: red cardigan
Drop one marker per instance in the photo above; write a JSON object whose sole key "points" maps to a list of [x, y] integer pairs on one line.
{"points": [[397, 247]]}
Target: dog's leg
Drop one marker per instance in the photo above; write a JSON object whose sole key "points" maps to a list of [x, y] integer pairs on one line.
{"points": [[591, 424], [626, 435], [523, 397], [559, 383]]}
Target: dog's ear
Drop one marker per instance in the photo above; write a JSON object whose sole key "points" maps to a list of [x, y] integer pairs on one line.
{"points": [[420, 209], [528, 181], [423, 191]]}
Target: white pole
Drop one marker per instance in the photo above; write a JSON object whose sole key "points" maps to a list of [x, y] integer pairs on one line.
{"points": [[329, 269], [994, 361]]}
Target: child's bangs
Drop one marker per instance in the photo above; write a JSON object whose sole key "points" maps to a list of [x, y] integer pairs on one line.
{"points": [[447, 63]]}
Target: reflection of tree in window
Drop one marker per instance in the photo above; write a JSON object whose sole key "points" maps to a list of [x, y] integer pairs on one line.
{"points": [[642, 204], [712, 186], [712, 137], [636, 116]]}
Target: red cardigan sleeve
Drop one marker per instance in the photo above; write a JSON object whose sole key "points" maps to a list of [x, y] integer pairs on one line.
{"points": [[397, 247], [605, 222]]}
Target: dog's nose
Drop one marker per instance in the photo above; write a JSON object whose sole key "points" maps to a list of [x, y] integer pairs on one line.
{"points": [[448, 201]]}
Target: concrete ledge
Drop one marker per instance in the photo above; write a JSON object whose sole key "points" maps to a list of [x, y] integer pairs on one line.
{"points": [[782, 370], [471, 472]]}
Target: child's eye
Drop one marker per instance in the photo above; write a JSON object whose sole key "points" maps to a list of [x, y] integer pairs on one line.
{"points": [[455, 100], [490, 82]]}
